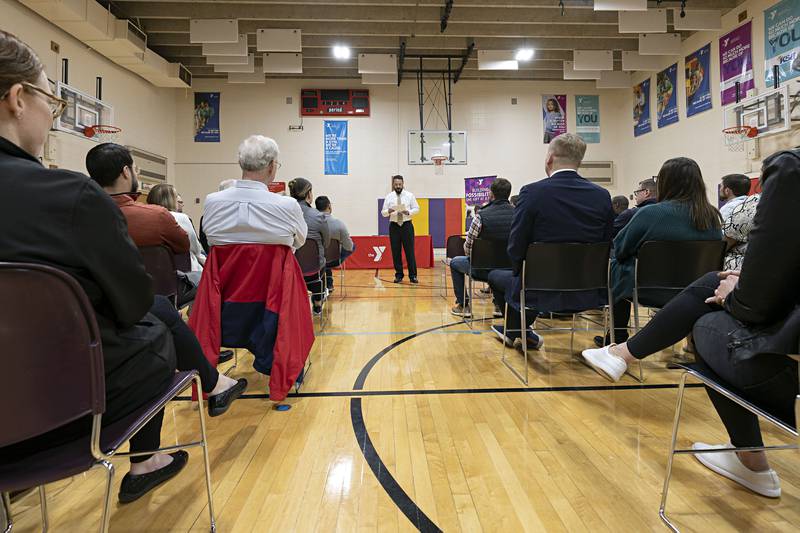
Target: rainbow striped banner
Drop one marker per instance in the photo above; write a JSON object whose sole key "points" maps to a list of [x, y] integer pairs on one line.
{"points": [[437, 217]]}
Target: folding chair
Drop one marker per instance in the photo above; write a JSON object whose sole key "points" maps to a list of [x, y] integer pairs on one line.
{"points": [[559, 268], [159, 261], [485, 256], [58, 379], [453, 248], [712, 380], [334, 253]]}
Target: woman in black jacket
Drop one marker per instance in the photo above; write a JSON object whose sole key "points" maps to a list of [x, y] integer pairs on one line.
{"points": [[720, 307]]}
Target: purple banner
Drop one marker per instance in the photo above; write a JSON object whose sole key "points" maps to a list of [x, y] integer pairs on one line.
{"points": [[476, 190], [554, 114], [736, 63]]}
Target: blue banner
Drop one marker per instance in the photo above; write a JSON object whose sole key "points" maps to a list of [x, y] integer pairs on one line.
{"points": [[335, 147], [642, 123], [206, 118], [782, 40], [698, 88], [667, 96], [587, 118]]}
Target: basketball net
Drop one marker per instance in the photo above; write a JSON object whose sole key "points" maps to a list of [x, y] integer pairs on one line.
{"points": [[102, 133], [438, 164], [736, 137]]}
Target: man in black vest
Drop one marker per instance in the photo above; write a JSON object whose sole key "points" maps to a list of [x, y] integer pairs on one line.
{"points": [[493, 222]]}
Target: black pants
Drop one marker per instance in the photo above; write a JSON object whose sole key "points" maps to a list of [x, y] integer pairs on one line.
{"points": [[767, 380], [403, 235], [314, 285], [500, 282], [622, 310]]}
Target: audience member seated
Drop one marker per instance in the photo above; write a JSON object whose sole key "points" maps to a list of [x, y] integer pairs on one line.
{"points": [[736, 229], [112, 166], [338, 231], [79, 229], [619, 204], [300, 190], [513, 200], [492, 223], [564, 207], [732, 192], [643, 196], [246, 211], [683, 213], [762, 302], [164, 195]]}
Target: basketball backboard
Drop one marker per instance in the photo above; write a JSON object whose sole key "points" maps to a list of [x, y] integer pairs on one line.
{"points": [[425, 144], [82, 110], [769, 112]]}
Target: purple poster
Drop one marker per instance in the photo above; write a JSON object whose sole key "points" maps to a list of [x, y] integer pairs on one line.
{"points": [[554, 113], [476, 190], [736, 63]]}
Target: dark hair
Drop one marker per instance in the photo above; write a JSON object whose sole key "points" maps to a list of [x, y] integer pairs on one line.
{"points": [[680, 180], [322, 203], [106, 161], [514, 199], [299, 188], [739, 184], [18, 62], [501, 189], [620, 202], [650, 185], [397, 177], [164, 195]]}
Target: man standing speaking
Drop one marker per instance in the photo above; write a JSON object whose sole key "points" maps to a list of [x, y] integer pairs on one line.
{"points": [[400, 205]]}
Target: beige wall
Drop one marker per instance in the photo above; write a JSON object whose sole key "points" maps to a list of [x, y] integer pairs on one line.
{"points": [[503, 139], [146, 113]]}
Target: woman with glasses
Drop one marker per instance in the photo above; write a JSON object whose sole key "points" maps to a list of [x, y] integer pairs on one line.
{"points": [[65, 220]]}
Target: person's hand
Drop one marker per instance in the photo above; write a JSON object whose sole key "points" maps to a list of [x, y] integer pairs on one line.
{"points": [[726, 286], [406, 212], [726, 273], [391, 210]]}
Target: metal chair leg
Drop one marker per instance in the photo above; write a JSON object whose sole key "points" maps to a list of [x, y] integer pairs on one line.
{"points": [[206, 462], [235, 362], [5, 506], [572, 336], [662, 510], [43, 505], [104, 521]]}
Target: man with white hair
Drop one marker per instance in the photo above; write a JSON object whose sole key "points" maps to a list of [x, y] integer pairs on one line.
{"points": [[246, 211]]}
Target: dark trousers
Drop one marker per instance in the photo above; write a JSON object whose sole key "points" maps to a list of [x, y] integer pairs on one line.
{"points": [[622, 310], [403, 236], [767, 380], [314, 285], [501, 282]]}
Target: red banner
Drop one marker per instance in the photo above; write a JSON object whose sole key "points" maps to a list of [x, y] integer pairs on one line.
{"points": [[277, 186], [375, 252]]}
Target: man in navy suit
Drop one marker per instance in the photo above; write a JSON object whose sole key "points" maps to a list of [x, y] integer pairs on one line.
{"points": [[564, 207]]}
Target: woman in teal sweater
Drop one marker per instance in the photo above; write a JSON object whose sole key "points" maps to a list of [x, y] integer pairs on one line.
{"points": [[683, 213]]}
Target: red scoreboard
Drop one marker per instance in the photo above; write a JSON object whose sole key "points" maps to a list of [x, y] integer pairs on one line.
{"points": [[334, 102]]}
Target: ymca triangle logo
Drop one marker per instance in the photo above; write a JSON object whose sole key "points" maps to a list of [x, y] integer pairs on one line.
{"points": [[379, 250]]}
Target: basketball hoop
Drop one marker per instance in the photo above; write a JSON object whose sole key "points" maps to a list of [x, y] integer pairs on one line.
{"points": [[736, 136], [102, 133], [438, 163]]}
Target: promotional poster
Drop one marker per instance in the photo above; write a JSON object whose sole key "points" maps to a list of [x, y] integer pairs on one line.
{"points": [[476, 190], [698, 86], [587, 118], [667, 96], [782, 40], [736, 63], [641, 108], [554, 114], [335, 132], [206, 118]]}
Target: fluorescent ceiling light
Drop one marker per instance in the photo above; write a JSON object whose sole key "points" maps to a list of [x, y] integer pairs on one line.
{"points": [[341, 52], [524, 54]]}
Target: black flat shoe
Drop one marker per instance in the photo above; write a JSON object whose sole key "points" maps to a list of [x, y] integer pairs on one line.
{"points": [[398, 279], [219, 403], [134, 487], [414, 281], [599, 341], [225, 356]]}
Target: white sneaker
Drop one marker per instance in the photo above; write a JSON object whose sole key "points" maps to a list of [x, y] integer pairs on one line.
{"points": [[727, 464], [605, 363]]}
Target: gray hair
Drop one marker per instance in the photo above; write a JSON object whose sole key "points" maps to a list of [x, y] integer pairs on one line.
{"points": [[568, 149], [257, 152], [226, 184]]}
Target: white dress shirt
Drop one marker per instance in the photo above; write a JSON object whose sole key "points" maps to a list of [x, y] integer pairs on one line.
{"points": [[247, 212], [406, 198], [195, 250]]}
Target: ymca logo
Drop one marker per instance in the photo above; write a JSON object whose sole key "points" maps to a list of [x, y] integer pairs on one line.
{"points": [[378, 253]]}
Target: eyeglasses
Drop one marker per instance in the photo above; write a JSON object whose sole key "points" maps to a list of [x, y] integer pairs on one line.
{"points": [[54, 103], [637, 191], [277, 165]]}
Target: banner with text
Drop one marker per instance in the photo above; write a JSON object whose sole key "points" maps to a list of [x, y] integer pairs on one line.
{"points": [[782, 40], [698, 88], [206, 118], [554, 114], [587, 117], [476, 190], [335, 132], [736, 63], [667, 96], [641, 108]]}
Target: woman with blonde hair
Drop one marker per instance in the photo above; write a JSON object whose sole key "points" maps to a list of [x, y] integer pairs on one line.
{"points": [[165, 195]]}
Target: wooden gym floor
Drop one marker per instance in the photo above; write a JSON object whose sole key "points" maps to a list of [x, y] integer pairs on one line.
{"points": [[456, 442]]}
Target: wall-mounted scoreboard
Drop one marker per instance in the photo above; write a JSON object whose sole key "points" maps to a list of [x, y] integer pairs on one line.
{"points": [[334, 102]]}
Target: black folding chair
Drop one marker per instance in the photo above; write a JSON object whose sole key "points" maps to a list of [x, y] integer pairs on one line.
{"points": [[334, 253], [159, 261], [485, 256], [559, 268], [453, 248]]}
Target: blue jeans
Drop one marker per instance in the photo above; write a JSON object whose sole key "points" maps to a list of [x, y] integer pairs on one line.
{"points": [[459, 268]]}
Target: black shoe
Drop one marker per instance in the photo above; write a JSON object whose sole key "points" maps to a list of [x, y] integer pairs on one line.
{"points": [[225, 356], [317, 309], [414, 280], [599, 341], [398, 279], [219, 403], [134, 487]]}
